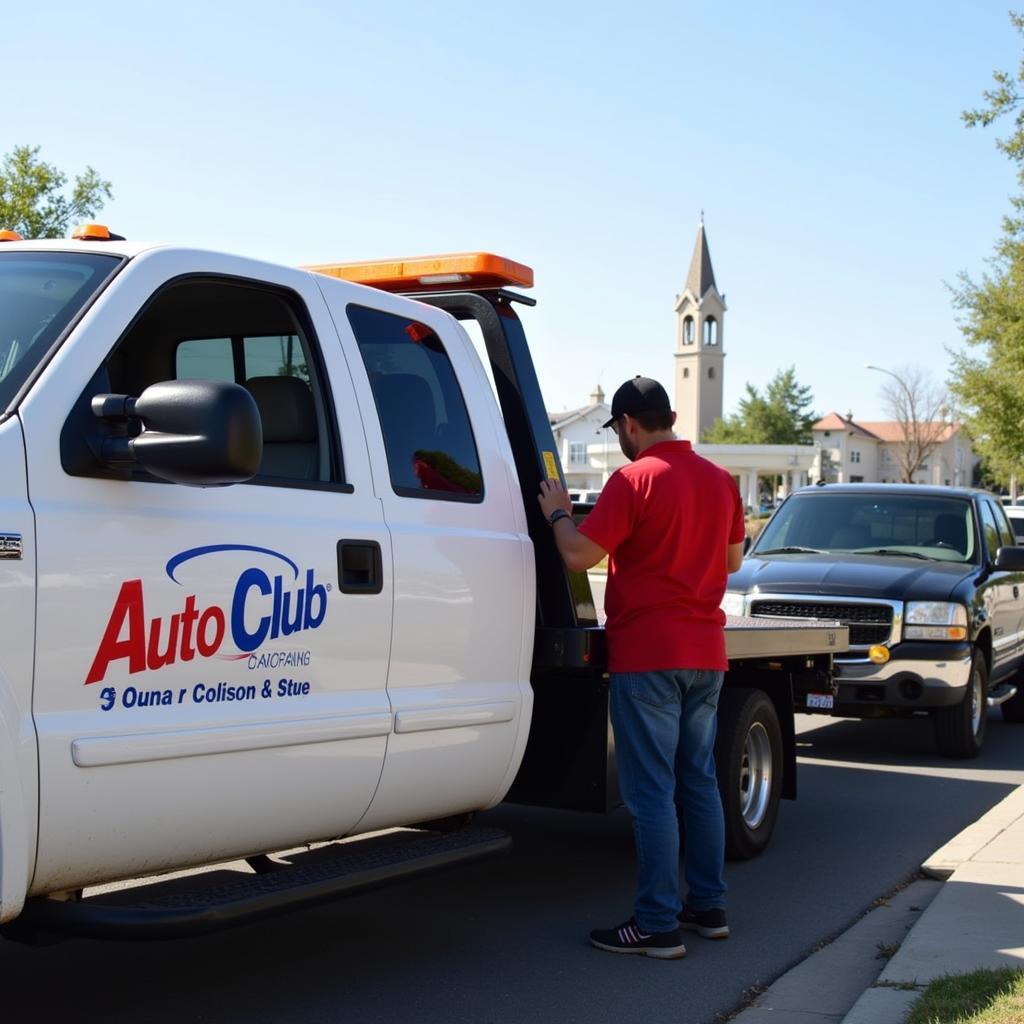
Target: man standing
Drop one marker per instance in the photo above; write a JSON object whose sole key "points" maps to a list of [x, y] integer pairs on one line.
{"points": [[672, 524]]}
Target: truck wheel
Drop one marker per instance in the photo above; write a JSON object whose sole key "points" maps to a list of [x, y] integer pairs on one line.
{"points": [[748, 753], [960, 728]]}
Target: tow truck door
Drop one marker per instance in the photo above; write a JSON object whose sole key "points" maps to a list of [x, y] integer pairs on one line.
{"points": [[463, 626], [211, 663]]}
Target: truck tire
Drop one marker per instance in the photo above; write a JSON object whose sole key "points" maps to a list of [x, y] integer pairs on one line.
{"points": [[960, 728], [748, 753]]}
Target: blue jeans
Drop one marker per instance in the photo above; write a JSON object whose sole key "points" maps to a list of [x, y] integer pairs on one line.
{"points": [[664, 725]]}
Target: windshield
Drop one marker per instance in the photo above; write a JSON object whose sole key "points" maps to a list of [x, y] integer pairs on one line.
{"points": [[906, 525], [40, 293]]}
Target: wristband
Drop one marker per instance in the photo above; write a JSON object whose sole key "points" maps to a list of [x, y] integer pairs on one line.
{"points": [[559, 513]]}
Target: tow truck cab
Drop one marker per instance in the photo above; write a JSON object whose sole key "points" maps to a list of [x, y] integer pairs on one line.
{"points": [[272, 547]]}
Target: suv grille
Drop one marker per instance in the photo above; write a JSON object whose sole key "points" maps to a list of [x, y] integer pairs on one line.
{"points": [[869, 623]]}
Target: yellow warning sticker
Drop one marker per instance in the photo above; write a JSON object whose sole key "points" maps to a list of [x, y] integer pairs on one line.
{"points": [[550, 465]]}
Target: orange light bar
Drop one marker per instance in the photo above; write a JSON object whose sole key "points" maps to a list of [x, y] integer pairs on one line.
{"points": [[10, 236], [92, 233], [469, 270]]}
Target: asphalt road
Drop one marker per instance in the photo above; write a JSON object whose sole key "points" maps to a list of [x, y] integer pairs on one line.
{"points": [[504, 941]]}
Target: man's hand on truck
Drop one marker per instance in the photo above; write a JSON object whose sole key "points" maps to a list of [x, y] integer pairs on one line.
{"points": [[578, 552]]}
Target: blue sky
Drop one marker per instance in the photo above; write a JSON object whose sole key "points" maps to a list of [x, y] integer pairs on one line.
{"points": [[822, 140]]}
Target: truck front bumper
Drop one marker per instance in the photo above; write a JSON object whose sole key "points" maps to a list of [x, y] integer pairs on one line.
{"points": [[918, 676]]}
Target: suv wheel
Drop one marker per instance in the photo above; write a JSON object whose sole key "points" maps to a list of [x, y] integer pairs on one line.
{"points": [[748, 754], [960, 729]]}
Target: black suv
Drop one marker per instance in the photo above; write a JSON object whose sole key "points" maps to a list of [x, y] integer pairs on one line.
{"points": [[931, 585]]}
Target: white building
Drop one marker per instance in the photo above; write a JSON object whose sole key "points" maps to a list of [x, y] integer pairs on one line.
{"points": [[584, 446], [859, 450]]}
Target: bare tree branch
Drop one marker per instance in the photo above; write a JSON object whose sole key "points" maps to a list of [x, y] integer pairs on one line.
{"points": [[922, 410]]}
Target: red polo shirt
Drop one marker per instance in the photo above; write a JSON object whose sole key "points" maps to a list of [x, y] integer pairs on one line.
{"points": [[666, 520]]}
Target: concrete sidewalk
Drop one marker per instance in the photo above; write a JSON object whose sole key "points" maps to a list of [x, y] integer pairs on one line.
{"points": [[976, 920], [968, 913]]}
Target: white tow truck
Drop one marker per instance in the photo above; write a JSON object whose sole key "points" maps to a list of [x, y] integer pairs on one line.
{"points": [[272, 572]]}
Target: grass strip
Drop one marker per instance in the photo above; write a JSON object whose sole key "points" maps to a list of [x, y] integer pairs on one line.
{"points": [[981, 997]]}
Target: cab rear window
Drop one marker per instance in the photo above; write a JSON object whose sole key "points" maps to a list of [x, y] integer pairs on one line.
{"points": [[429, 441]]}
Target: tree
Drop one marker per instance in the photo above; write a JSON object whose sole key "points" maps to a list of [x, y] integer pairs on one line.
{"points": [[921, 408], [32, 201], [780, 416], [990, 385]]}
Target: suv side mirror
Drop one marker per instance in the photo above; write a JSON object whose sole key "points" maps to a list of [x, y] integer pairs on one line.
{"points": [[199, 432], [1010, 559]]}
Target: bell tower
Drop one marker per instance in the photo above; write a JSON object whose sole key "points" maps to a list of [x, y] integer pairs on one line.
{"points": [[700, 312]]}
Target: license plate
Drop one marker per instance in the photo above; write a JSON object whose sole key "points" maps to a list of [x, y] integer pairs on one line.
{"points": [[825, 701]]}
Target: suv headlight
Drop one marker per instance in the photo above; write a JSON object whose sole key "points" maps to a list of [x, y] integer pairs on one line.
{"points": [[935, 620], [733, 603]]}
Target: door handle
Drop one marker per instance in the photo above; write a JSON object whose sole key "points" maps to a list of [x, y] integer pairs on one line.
{"points": [[360, 568], [1016, 591]]}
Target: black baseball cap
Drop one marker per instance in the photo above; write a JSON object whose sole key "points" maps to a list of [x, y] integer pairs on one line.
{"points": [[641, 394]]}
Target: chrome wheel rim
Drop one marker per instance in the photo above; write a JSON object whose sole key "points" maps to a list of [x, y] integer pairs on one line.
{"points": [[756, 776], [977, 702]]}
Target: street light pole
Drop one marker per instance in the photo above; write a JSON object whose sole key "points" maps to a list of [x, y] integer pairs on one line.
{"points": [[906, 393], [895, 376]]}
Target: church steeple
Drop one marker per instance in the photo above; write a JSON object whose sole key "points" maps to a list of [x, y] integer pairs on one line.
{"points": [[700, 315], [701, 276]]}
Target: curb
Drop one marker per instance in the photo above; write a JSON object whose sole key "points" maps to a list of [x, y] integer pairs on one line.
{"points": [[823, 987], [976, 837], [979, 856], [843, 983]]}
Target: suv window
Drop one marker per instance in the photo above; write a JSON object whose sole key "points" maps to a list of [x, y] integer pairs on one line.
{"points": [[429, 441], [1006, 536], [989, 530], [252, 335]]}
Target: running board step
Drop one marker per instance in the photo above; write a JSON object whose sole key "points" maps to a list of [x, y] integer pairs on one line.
{"points": [[1001, 694], [219, 899]]}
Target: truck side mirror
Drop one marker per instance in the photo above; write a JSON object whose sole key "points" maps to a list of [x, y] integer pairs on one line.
{"points": [[199, 432], [1009, 559], [747, 541]]}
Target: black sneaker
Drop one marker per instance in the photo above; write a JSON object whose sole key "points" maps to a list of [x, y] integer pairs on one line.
{"points": [[710, 924], [628, 938]]}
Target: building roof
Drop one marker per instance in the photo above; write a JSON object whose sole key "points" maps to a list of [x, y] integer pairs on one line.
{"points": [[892, 431], [597, 402], [701, 277], [558, 418], [886, 431], [833, 421]]}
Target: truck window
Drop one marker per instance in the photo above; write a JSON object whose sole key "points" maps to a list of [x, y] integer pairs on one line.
{"points": [[255, 336], [205, 359], [40, 294], [1006, 535], [429, 441], [989, 530]]}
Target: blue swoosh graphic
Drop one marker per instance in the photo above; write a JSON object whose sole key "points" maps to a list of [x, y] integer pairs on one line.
{"points": [[185, 556]]}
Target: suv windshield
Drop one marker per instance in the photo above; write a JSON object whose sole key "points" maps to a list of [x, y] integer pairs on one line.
{"points": [[910, 525], [40, 293]]}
